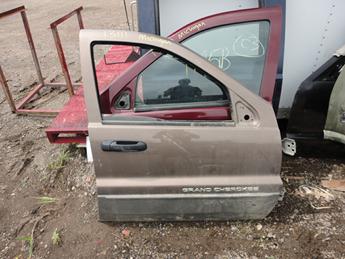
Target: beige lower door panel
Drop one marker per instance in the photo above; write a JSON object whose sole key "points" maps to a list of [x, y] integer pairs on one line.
{"points": [[185, 207], [187, 173]]}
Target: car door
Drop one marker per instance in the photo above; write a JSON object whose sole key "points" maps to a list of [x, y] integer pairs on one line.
{"points": [[244, 44], [154, 169]]}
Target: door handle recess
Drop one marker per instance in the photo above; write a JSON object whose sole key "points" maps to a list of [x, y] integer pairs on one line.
{"points": [[123, 146]]}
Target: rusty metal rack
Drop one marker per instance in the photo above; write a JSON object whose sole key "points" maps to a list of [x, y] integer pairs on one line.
{"points": [[59, 48], [19, 107]]}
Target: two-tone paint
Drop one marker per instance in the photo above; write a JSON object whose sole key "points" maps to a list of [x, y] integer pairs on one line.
{"points": [[127, 81]]}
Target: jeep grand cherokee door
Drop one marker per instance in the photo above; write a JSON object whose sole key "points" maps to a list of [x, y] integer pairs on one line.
{"points": [[151, 168]]}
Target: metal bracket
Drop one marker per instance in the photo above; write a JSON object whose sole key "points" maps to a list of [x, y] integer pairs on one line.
{"points": [[132, 4], [289, 146]]}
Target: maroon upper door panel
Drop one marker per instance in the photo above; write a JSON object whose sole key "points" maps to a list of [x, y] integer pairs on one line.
{"points": [[273, 15]]}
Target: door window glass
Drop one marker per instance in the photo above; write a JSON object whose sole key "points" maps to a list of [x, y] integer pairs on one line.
{"points": [[170, 81], [238, 49]]}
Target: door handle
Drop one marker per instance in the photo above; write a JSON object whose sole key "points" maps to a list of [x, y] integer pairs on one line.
{"points": [[123, 146]]}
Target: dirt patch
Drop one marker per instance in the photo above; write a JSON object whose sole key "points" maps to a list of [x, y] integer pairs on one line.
{"points": [[48, 190]]}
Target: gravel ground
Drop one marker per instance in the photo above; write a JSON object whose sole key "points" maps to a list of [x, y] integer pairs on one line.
{"points": [[66, 226]]}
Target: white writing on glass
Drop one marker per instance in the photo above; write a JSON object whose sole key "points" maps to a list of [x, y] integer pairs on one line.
{"points": [[248, 46], [219, 57]]}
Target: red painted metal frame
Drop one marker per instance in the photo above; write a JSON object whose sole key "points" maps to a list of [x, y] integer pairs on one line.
{"points": [[122, 82], [19, 108]]}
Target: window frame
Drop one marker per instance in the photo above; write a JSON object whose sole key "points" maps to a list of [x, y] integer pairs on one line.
{"points": [[181, 105], [272, 15], [127, 80], [265, 55]]}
